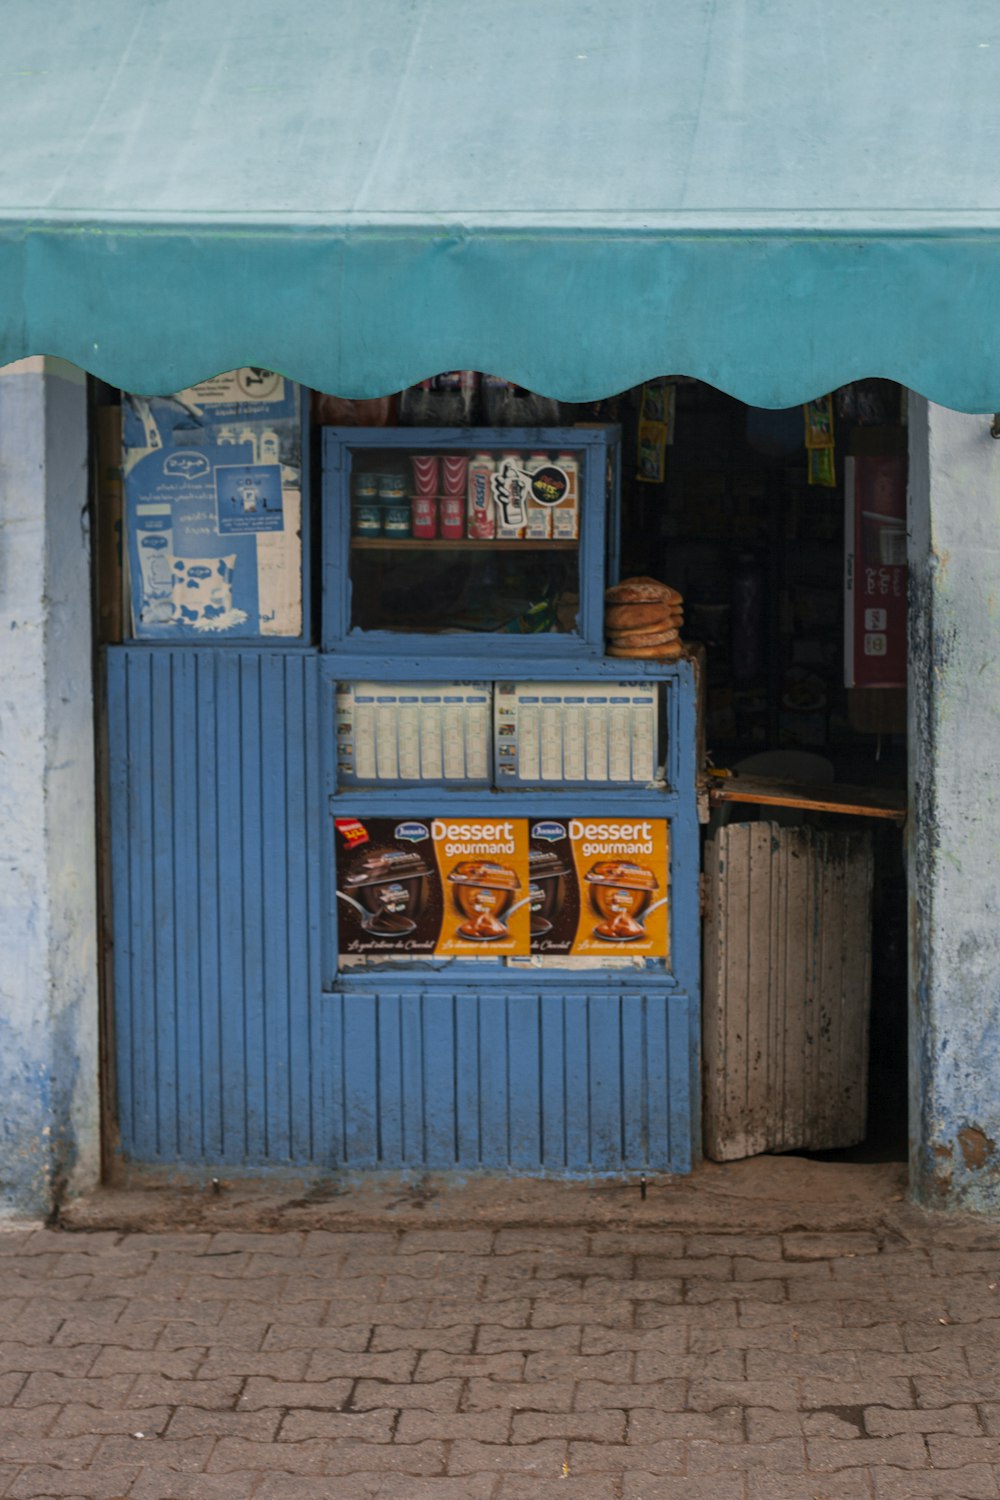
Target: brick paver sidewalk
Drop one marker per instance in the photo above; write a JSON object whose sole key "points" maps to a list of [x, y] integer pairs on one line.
{"points": [[499, 1364]]}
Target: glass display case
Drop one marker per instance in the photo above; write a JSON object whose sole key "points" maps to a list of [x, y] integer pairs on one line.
{"points": [[467, 533], [536, 826]]}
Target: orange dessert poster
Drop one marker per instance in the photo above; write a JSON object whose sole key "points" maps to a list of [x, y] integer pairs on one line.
{"points": [[622, 871], [483, 867]]}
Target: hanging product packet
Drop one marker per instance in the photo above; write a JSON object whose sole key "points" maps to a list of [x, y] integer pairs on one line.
{"points": [[657, 414], [818, 417]]}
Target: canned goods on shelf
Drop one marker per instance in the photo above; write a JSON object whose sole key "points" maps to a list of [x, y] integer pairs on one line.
{"points": [[365, 486], [366, 520], [391, 487], [395, 520]]}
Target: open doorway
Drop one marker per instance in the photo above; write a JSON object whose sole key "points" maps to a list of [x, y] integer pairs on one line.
{"points": [[736, 512]]}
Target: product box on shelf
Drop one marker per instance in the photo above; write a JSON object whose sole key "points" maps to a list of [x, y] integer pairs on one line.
{"points": [[390, 733], [508, 496], [577, 732]]}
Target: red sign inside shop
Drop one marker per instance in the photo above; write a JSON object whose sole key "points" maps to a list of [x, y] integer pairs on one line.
{"points": [[875, 572]]}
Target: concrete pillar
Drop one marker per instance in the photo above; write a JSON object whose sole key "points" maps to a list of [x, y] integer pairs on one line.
{"points": [[49, 1111], [954, 830]]}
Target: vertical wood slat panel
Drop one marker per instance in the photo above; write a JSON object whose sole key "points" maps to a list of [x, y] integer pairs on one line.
{"points": [[605, 1082], [275, 915], [209, 946], [250, 881], [301, 855], [119, 817], [438, 1040], [553, 1125], [228, 1052], [360, 1073], [524, 1079], [313, 1090], [468, 1085], [635, 1080], [857, 972], [576, 1044], [229, 778], [787, 988], [789, 1044], [411, 1076], [215, 890], [467, 1114], [187, 898], [390, 1071], [164, 926], [494, 1093]]}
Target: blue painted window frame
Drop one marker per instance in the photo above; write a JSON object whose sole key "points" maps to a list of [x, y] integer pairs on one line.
{"points": [[675, 801], [598, 521]]}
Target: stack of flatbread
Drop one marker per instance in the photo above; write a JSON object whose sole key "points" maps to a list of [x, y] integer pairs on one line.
{"points": [[643, 618]]}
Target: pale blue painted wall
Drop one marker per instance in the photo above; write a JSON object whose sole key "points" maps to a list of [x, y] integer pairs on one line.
{"points": [[49, 1116], [954, 829]]}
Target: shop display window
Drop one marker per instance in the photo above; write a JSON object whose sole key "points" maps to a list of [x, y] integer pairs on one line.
{"points": [[466, 533], [465, 541]]}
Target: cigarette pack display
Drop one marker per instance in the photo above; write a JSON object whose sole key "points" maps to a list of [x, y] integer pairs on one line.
{"points": [[400, 733], [604, 733]]}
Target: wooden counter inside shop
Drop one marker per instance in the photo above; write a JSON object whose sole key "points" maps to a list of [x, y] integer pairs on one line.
{"points": [[831, 797]]}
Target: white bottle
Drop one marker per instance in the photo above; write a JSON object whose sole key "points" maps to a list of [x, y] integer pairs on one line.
{"points": [[538, 519], [480, 514], [509, 496], [566, 515]]}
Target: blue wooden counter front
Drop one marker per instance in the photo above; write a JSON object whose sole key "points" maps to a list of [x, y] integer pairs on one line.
{"points": [[232, 1048], [238, 1040]]}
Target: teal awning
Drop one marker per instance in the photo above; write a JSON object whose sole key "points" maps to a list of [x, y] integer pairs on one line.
{"points": [[776, 196]]}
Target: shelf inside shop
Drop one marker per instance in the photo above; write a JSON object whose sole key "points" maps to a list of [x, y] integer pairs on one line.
{"points": [[462, 544]]}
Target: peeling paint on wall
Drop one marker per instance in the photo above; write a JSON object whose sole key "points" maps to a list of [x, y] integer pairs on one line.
{"points": [[955, 809], [49, 1142]]}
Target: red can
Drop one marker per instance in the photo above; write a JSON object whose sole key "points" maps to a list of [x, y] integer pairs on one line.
{"points": [[456, 472], [453, 516], [424, 512], [425, 473]]}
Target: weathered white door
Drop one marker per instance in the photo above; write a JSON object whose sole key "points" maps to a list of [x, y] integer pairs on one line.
{"points": [[787, 986]]}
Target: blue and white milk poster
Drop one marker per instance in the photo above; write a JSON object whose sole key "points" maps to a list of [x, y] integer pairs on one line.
{"points": [[213, 495]]}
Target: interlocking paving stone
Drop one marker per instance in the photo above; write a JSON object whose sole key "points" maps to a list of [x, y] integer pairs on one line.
{"points": [[907, 1451], [501, 1364], [368, 1426], [665, 1457], [639, 1486], [973, 1482], [546, 1457]]}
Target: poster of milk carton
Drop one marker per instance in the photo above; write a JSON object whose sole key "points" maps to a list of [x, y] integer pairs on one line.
{"points": [[213, 495]]}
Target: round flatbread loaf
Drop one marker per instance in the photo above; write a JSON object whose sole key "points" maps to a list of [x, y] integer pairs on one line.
{"points": [[641, 591], [669, 651], [644, 637], [635, 616]]}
